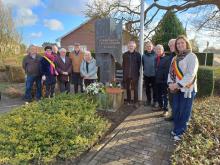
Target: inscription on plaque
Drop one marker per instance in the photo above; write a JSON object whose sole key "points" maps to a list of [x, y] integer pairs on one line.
{"points": [[108, 38]]}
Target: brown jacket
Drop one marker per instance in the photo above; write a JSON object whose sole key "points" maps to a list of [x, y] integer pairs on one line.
{"points": [[76, 60], [131, 65], [31, 66], [63, 67]]}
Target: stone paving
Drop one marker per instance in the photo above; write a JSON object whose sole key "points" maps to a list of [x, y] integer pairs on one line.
{"points": [[143, 138]]}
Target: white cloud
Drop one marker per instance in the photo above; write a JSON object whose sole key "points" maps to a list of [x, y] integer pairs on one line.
{"points": [[36, 35], [25, 17], [24, 14], [74, 7], [22, 3], [53, 24]]}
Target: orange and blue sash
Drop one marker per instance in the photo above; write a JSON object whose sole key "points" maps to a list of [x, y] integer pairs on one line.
{"points": [[179, 73], [177, 69]]}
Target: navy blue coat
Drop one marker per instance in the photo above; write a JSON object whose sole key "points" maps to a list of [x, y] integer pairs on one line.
{"points": [[45, 70], [162, 69]]}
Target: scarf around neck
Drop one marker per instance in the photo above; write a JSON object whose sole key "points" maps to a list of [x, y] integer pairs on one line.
{"points": [[177, 59], [52, 59]]}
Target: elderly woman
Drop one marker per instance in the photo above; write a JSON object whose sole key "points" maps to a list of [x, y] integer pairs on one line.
{"points": [[182, 82], [88, 69], [162, 70], [64, 68]]}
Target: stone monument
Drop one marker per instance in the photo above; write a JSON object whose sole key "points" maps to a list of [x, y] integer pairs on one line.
{"points": [[108, 48]]}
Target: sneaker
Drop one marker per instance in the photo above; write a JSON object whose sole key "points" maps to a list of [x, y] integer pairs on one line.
{"points": [[147, 103], [165, 114], [155, 105], [157, 109], [128, 103], [176, 138], [136, 105], [170, 118], [173, 133]]}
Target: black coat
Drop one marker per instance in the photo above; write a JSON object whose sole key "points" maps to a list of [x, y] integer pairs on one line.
{"points": [[131, 65], [162, 69], [45, 70]]}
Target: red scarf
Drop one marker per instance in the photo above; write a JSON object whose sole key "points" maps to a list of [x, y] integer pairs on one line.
{"points": [[158, 58]]}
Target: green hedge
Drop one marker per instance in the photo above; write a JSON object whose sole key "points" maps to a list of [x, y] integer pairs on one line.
{"points": [[52, 129], [201, 58], [200, 144], [217, 81], [205, 81]]}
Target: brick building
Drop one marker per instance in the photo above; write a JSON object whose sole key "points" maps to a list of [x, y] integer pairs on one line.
{"points": [[85, 35]]}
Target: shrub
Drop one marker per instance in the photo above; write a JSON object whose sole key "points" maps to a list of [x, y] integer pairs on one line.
{"points": [[217, 81], [205, 81], [16, 73], [49, 130], [200, 144], [201, 58]]}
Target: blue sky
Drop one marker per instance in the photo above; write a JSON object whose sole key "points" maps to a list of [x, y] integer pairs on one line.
{"points": [[46, 20]]}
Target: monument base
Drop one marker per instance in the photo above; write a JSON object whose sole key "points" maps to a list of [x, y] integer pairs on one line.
{"points": [[112, 100]]}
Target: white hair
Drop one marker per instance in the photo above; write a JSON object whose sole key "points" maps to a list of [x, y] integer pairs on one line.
{"points": [[62, 50], [87, 52], [170, 41], [159, 46]]}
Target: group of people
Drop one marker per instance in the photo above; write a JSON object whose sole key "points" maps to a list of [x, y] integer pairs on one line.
{"points": [[55, 67], [167, 79]]}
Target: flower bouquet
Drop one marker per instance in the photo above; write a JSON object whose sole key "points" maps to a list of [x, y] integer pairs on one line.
{"points": [[95, 88]]}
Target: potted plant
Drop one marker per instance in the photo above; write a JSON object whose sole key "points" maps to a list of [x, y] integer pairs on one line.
{"points": [[109, 97]]}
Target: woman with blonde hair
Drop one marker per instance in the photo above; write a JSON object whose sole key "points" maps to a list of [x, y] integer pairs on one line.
{"points": [[182, 82]]}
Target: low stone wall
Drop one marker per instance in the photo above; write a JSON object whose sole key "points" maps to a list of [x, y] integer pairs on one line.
{"points": [[12, 74]]}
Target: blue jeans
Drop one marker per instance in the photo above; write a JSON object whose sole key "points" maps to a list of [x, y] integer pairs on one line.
{"points": [[29, 84], [182, 109]]}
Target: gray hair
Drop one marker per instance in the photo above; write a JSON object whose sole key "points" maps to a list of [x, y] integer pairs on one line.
{"points": [[87, 52], [171, 40], [159, 46], [62, 50]]}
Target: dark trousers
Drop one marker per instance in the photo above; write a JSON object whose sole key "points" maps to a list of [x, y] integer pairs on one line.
{"points": [[64, 86], [87, 82], [49, 90], [134, 83], [29, 84], [170, 98], [77, 81], [162, 96], [150, 84], [182, 108]]}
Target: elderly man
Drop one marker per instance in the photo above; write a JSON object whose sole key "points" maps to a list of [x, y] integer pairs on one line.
{"points": [[171, 45], [76, 57], [148, 61], [64, 68], [31, 66], [55, 50], [131, 66]]}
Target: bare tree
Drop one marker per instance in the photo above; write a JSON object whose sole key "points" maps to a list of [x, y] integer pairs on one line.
{"points": [[9, 37], [120, 10]]}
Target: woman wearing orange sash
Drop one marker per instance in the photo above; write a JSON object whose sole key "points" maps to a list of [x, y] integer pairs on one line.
{"points": [[182, 82]]}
